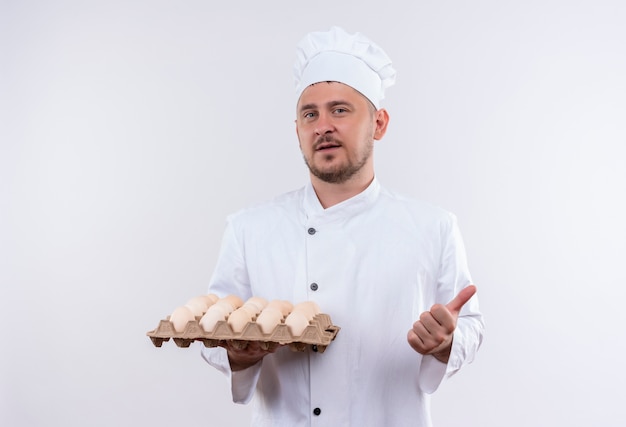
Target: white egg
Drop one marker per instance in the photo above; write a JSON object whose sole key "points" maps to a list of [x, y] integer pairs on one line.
{"points": [[252, 308], [297, 321], [309, 308], [258, 302], [213, 315], [231, 302], [197, 305], [269, 318], [283, 306], [180, 317], [238, 319], [225, 305], [211, 299], [288, 305], [225, 311], [234, 300]]}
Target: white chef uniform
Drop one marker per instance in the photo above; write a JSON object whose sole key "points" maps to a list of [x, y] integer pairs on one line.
{"points": [[374, 263]]}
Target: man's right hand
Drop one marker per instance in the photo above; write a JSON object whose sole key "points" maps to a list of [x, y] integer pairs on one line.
{"points": [[242, 355]]}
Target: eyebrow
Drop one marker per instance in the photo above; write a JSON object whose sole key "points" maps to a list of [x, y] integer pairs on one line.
{"points": [[329, 104]]}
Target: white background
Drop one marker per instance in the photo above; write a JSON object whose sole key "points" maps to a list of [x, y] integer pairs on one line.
{"points": [[130, 129]]}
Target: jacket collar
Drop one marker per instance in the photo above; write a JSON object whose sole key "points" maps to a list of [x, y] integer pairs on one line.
{"points": [[348, 208]]}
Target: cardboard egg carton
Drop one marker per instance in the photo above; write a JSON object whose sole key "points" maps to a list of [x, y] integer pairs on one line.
{"points": [[319, 333]]}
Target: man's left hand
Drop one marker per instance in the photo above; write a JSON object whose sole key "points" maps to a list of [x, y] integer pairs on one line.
{"points": [[432, 333]]}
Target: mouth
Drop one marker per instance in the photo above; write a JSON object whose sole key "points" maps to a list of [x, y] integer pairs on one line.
{"points": [[324, 146]]}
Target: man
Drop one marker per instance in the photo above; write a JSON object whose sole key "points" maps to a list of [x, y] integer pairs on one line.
{"points": [[378, 263]]}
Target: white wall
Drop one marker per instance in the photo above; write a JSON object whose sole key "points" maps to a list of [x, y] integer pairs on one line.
{"points": [[130, 129]]}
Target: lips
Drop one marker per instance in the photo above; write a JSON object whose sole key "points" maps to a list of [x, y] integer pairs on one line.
{"points": [[326, 144], [323, 147]]}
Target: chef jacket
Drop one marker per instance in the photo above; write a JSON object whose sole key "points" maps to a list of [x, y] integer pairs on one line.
{"points": [[373, 263]]}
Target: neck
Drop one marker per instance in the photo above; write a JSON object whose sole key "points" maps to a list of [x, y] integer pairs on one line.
{"points": [[332, 194]]}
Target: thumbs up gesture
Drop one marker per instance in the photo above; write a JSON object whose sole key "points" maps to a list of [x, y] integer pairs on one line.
{"points": [[432, 333]]}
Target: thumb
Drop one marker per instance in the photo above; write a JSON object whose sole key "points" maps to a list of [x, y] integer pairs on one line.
{"points": [[460, 299]]}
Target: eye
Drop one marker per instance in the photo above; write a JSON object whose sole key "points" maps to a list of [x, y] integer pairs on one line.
{"points": [[308, 115], [340, 110]]}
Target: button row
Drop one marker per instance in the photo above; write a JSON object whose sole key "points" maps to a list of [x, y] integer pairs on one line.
{"points": [[314, 287]]}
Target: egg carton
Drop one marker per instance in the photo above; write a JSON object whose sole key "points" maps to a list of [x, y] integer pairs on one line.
{"points": [[319, 334]]}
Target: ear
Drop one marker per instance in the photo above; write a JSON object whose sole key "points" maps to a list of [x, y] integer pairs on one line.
{"points": [[382, 120]]}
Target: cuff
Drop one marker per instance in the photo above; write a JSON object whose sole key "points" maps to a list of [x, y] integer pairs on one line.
{"points": [[432, 373], [242, 383]]}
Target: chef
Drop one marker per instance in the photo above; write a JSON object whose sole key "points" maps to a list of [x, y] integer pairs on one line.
{"points": [[390, 271]]}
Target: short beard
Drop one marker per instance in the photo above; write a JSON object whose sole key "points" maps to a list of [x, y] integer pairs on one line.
{"points": [[341, 174]]}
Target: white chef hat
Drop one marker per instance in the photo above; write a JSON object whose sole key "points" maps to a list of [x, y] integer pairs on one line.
{"points": [[351, 59]]}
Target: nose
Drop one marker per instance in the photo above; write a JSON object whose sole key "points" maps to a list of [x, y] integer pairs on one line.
{"points": [[323, 124]]}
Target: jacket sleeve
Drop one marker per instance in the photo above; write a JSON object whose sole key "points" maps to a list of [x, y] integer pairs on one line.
{"points": [[454, 275], [242, 383], [231, 277]]}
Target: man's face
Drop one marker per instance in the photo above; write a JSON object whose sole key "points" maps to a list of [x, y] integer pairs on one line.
{"points": [[336, 127]]}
